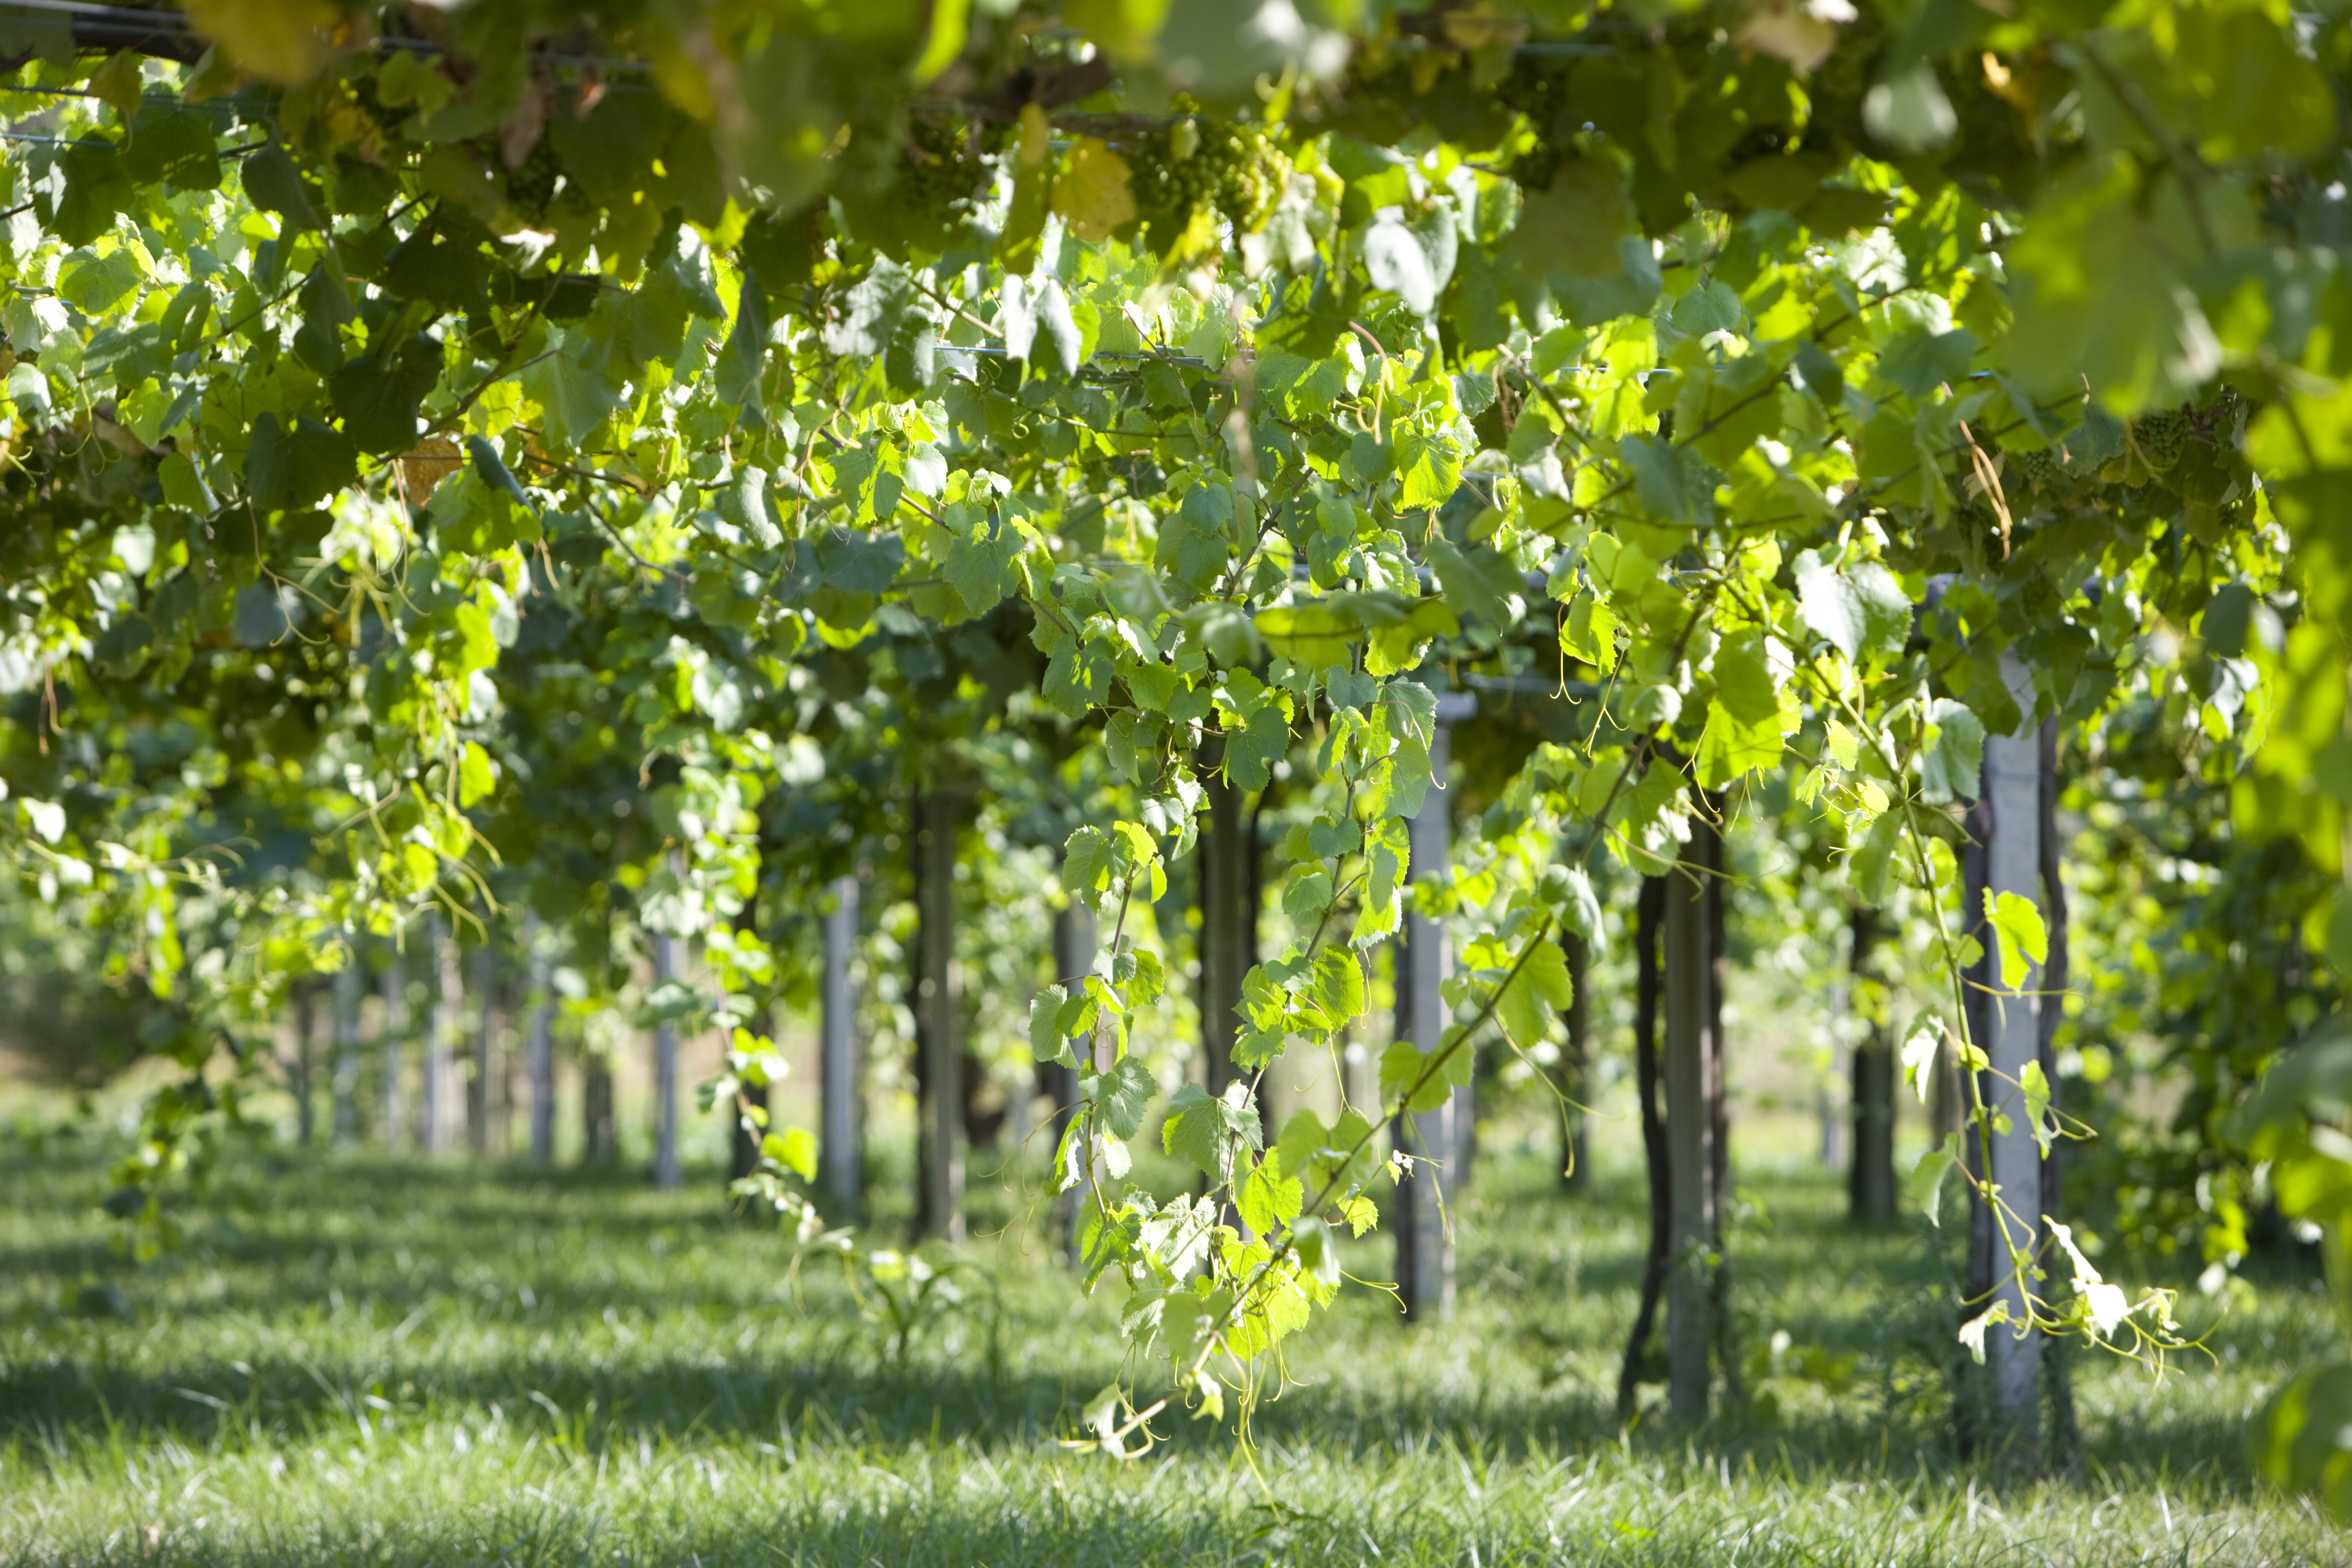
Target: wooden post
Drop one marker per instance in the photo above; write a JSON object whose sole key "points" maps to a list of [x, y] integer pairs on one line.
{"points": [[541, 1001], [1576, 1065], [600, 1142], [840, 1161], [1227, 925], [1650, 913], [666, 1171], [938, 1055], [1690, 1137], [346, 1089], [1870, 1179], [1425, 1246], [1707, 836]]}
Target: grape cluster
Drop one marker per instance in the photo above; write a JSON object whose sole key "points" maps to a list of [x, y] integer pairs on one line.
{"points": [[938, 169], [2040, 468], [2160, 437], [530, 186], [1197, 162]]}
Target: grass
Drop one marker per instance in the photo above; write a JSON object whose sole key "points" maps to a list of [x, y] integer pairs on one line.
{"points": [[359, 1361]]}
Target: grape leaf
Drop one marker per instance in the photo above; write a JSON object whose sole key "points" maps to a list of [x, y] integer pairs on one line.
{"points": [[1122, 1095], [1861, 610], [2017, 932], [1535, 997]]}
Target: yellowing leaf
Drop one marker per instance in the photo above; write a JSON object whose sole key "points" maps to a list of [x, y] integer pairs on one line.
{"points": [[947, 26], [1801, 35], [285, 41], [1093, 194]]}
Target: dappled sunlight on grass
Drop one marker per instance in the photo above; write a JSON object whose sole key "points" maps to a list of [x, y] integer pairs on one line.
{"points": [[384, 1362]]}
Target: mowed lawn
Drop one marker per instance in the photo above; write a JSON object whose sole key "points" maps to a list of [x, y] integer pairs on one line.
{"points": [[364, 1360]]}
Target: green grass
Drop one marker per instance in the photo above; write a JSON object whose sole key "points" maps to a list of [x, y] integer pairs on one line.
{"points": [[372, 1362]]}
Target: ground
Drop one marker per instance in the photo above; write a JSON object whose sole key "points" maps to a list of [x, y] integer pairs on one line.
{"points": [[357, 1360]]}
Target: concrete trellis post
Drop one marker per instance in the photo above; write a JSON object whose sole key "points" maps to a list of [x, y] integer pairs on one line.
{"points": [[346, 1083], [1425, 959], [1076, 939], [542, 1043], [391, 1046], [1575, 1064], [2013, 1040], [667, 1174], [485, 1102], [438, 1109], [840, 1164]]}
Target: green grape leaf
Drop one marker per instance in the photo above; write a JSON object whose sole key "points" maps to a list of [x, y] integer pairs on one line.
{"points": [[1862, 611], [1336, 987], [1535, 997], [1919, 1051], [2034, 1084], [377, 399], [1268, 1199], [735, 375], [98, 285], [476, 779], [1046, 1041], [1104, 1238], [1478, 581], [273, 183], [1916, 363], [1195, 543], [1305, 896], [1951, 765], [2099, 298], [1430, 468], [1924, 1185], [1122, 1096], [1303, 1137], [574, 394], [1872, 863], [978, 565], [1206, 1130], [1589, 631], [794, 1149], [174, 145], [287, 469], [2017, 932], [1403, 1065], [1260, 738]]}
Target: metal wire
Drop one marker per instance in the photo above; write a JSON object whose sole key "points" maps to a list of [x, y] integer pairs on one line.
{"points": [[126, 21]]}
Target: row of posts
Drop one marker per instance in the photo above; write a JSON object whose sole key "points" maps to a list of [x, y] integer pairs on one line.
{"points": [[1681, 934]]}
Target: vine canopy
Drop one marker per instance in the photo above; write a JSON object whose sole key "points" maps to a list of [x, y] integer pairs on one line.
{"points": [[421, 414]]}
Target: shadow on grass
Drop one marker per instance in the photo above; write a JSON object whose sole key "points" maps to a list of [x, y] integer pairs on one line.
{"points": [[321, 1297]]}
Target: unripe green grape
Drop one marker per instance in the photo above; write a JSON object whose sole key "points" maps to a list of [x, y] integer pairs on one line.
{"points": [[2162, 438], [532, 185]]}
